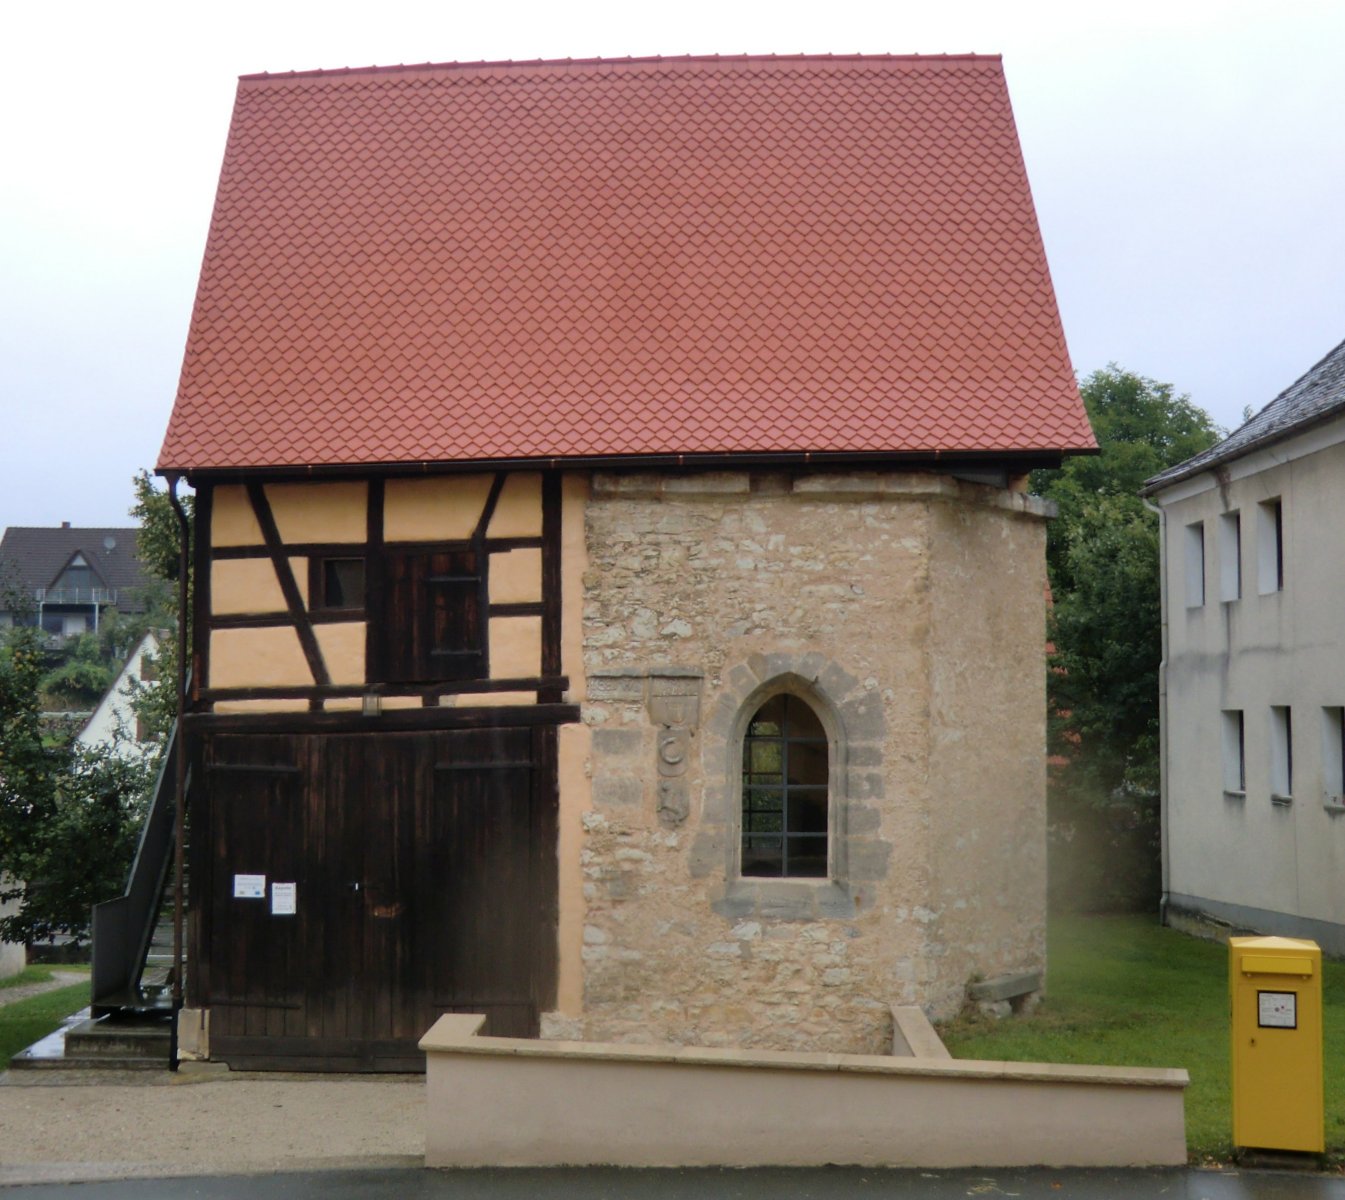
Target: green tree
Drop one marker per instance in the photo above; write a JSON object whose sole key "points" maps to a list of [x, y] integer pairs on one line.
{"points": [[70, 817], [158, 543], [29, 768], [83, 675], [1102, 559]]}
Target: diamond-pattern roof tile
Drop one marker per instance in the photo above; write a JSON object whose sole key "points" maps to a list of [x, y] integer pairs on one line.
{"points": [[615, 258]]}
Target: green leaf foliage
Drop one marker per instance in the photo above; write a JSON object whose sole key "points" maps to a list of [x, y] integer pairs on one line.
{"points": [[155, 701], [81, 851], [70, 816], [1102, 559], [29, 768], [158, 540], [82, 676]]}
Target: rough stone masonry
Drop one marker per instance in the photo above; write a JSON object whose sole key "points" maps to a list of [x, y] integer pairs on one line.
{"points": [[907, 610]]}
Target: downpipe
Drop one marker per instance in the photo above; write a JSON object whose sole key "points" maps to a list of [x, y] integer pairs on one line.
{"points": [[180, 766], [1162, 705]]}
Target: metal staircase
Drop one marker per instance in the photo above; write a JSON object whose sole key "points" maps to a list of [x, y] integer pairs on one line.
{"points": [[133, 934], [130, 1026]]}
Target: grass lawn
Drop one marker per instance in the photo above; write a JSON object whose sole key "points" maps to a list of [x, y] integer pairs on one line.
{"points": [[24, 1021], [39, 973], [1123, 991]]}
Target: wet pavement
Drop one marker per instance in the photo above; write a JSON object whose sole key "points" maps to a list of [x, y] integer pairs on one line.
{"points": [[831, 1183]]}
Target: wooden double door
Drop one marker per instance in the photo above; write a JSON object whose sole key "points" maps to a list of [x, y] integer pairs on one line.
{"points": [[347, 889]]}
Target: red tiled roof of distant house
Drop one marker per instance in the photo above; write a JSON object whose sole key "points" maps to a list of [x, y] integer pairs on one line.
{"points": [[569, 260]]}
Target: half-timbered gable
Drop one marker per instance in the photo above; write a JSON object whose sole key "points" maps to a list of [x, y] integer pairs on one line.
{"points": [[405, 591]]}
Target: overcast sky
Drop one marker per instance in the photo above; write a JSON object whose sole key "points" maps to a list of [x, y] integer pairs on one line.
{"points": [[1187, 159]]}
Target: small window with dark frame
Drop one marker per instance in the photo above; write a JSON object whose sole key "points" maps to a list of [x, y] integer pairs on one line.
{"points": [[1270, 547], [1333, 753], [339, 584], [784, 800], [1234, 752], [1281, 752]]}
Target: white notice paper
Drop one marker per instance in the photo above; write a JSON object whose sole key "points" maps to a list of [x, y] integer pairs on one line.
{"points": [[1277, 1010], [284, 899], [249, 887]]}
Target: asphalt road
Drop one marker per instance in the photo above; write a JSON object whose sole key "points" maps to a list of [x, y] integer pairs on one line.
{"points": [[835, 1183]]}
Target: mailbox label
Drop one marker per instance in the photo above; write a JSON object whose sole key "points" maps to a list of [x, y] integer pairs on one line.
{"points": [[1277, 1010]]}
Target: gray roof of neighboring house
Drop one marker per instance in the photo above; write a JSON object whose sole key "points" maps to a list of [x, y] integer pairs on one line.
{"points": [[33, 557], [1317, 395]]}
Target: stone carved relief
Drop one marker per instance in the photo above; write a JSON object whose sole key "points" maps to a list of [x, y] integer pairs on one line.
{"points": [[674, 749], [674, 707], [674, 804]]}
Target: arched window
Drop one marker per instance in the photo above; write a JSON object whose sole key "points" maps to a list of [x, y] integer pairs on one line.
{"points": [[785, 771]]}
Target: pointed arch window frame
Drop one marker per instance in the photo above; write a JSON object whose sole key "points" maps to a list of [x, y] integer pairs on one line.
{"points": [[781, 836]]}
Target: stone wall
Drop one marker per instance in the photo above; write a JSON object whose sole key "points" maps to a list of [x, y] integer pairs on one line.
{"points": [[704, 595]]}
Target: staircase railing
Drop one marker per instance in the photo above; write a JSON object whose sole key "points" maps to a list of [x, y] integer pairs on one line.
{"points": [[123, 928]]}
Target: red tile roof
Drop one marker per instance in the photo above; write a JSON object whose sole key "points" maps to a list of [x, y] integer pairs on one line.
{"points": [[662, 256]]}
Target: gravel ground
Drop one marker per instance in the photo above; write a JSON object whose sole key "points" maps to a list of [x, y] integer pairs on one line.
{"points": [[59, 979], [67, 1125]]}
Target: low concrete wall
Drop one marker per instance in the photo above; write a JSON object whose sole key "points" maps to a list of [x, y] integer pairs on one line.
{"points": [[913, 1036], [517, 1102]]}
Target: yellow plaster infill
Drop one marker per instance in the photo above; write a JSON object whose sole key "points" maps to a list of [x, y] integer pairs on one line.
{"points": [[344, 704], [488, 699], [515, 647], [576, 798], [516, 577], [266, 657], [261, 706], [232, 522], [249, 585], [573, 564], [519, 510], [244, 585], [342, 646], [320, 512], [391, 702], [444, 509]]}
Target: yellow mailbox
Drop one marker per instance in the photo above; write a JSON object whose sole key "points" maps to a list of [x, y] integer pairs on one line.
{"points": [[1275, 987]]}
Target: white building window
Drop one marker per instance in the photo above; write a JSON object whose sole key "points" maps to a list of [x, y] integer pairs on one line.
{"points": [[1230, 556], [1270, 547], [1281, 753], [1234, 753], [1195, 564], [1333, 754]]}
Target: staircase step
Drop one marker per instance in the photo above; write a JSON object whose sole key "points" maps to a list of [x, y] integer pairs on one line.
{"points": [[119, 1038], [50, 1053]]}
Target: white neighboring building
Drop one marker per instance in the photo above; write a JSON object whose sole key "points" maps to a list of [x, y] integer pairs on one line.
{"points": [[13, 956], [1253, 683], [115, 712]]}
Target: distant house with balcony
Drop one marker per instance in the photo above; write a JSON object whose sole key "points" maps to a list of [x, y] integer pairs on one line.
{"points": [[64, 579]]}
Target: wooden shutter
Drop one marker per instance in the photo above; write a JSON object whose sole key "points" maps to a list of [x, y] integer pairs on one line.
{"points": [[433, 618]]}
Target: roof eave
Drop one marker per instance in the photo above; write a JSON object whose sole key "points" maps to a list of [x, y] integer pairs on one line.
{"points": [[1025, 459], [1165, 480]]}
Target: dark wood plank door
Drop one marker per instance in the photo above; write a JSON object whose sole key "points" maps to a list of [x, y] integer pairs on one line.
{"points": [[425, 870], [252, 965], [362, 843], [488, 885]]}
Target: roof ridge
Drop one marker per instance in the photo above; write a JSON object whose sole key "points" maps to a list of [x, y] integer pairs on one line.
{"points": [[1312, 370], [646, 60], [72, 528]]}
